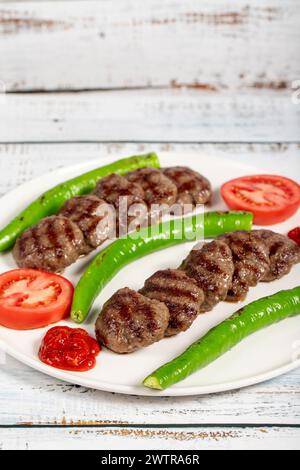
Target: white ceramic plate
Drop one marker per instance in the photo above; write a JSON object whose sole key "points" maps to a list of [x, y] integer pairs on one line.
{"points": [[266, 354]]}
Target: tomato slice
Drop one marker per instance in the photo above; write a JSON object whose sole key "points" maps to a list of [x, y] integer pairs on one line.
{"points": [[272, 199], [69, 349], [33, 299]]}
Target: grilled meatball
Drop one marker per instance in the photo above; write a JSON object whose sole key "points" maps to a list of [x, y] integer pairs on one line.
{"points": [[94, 217], [111, 188], [158, 188], [130, 321], [212, 268], [192, 187], [51, 245], [251, 262], [126, 197], [283, 252], [181, 295]]}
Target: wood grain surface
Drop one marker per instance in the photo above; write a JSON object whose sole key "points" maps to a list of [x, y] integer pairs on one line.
{"points": [[29, 398], [22, 162], [150, 115], [207, 44], [190, 438]]}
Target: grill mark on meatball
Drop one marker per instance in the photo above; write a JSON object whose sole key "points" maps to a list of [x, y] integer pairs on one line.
{"points": [[283, 253], [71, 237], [179, 293], [253, 267], [192, 187], [129, 321], [157, 187], [83, 211], [251, 262], [212, 268], [35, 242], [22, 241], [53, 244], [93, 205], [54, 238], [94, 224], [69, 232], [112, 187], [224, 269]]}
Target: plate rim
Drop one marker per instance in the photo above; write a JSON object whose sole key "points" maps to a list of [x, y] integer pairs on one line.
{"points": [[132, 390], [127, 389]]}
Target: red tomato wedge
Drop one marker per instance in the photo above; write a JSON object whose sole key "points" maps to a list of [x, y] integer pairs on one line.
{"points": [[272, 199], [69, 349], [33, 299]]}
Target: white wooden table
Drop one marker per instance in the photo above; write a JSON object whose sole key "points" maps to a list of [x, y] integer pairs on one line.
{"points": [[86, 79]]}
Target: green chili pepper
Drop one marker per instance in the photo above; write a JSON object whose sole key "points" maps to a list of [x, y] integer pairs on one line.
{"points": [[246, 321], [52, 200], [148, 240]]}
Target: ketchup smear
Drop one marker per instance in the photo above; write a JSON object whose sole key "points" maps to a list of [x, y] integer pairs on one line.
{"points": [[69, 349], [295, 235]]}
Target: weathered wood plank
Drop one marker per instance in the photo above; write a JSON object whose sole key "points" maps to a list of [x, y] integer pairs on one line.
{"points": [[212, 44], [27, 161], [150, 115], [30, 398], [150, 439]]}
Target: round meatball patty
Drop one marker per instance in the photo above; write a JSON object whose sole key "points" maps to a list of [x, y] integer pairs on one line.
{"points": [[192, 187], [93, 216], [51, 245], [212, 268], [130, 321], [283, 253], [251, 262], [157, 187], [112, 187], [128, 200], [181, 295]]}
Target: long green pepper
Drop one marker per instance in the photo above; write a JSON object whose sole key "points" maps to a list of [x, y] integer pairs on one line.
{"points": [[246, 321], [148, 240], [52, 200]]}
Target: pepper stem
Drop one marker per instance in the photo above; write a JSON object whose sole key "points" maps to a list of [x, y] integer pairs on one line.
{"points": [[152, 382]]}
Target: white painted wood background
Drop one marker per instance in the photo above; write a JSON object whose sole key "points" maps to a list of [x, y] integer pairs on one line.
{"points": [[210, 44], [150, 115], [88, 78]]}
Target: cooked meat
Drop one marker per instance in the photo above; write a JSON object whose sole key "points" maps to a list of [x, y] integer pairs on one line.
{"points": [[283, 253], [181, 295], [158, 188], [111, 188], [251, 262], [130, 321], [212, 268], [192, 187], [94, 217], [51, 245], [128, 199], [171, 299]]}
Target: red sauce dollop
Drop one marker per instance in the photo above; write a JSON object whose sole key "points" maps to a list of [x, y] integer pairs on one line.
{"points": [[69, 349], [295, 235]]}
